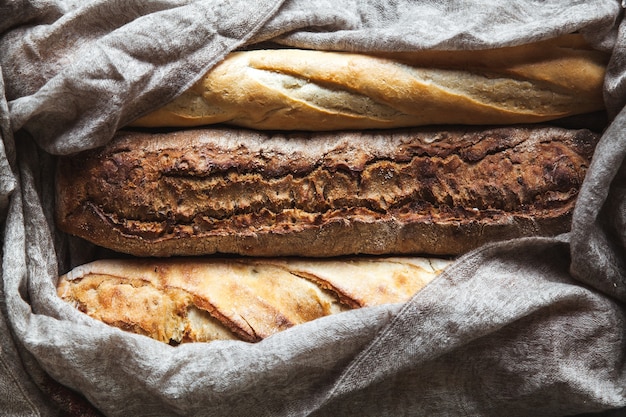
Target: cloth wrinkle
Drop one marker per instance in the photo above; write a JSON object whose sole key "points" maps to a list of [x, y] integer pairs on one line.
{"points": [[527, 327]]}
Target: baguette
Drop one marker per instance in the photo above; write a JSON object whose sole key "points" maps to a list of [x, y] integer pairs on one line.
{"points": [[202, 300], [291, 89], [410, 191]]}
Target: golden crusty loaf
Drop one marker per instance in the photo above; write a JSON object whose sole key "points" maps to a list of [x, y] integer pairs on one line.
{"points": [[291, 89], [187, 300], [408, 191]]}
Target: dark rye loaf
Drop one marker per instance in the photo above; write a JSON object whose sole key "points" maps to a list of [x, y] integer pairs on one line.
{"points": [[408, 191]]}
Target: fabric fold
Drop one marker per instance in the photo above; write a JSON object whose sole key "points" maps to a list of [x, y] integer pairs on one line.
{"points": [[490, 308], [599, 220], [102, 79], [540, 317]]}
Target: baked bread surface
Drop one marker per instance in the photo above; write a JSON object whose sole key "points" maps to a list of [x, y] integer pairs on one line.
{"points": [[292, 89], [407, 191], [180, 300]]}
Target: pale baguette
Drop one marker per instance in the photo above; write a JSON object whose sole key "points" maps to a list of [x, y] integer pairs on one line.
{"points": [[201, 300], [290, 89]]}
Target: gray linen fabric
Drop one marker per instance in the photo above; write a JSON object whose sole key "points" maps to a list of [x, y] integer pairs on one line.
{"points": [[527, 327]]}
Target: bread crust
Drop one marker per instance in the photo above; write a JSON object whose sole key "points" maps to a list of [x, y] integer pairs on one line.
{"points": [[406, 191], [292, 89], [201, 300]]}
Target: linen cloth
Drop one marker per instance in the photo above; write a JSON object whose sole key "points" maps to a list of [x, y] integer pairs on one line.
{"points": [[527, 327]]}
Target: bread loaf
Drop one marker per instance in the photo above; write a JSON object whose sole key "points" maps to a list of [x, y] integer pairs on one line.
{"points": [[290, 89], [187, 300], [409, 191]]}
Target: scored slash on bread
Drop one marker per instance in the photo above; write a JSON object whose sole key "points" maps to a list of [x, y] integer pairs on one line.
{"points": [[185, 300], [293, 89]]}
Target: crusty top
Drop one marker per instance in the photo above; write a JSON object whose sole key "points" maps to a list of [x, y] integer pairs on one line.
{"points": [[426, 190], [205, 299], [291, 89]]}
